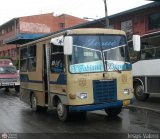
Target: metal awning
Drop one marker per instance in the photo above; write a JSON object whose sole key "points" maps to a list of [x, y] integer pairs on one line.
{"points": [[22, 38]]}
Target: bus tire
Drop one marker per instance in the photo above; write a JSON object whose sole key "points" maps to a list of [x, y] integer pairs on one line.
{"points": [[139, 93], [113, 112], [62, 111], [34, 105]]}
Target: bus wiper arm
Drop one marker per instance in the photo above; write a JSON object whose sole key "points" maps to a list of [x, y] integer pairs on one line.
{"points": [[119, 71]]}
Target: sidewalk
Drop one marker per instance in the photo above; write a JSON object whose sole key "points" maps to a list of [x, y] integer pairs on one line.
{"points": [[151, 104]]}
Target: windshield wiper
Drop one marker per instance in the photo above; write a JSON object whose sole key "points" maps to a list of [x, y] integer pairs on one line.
{"points": [[119, 71]]}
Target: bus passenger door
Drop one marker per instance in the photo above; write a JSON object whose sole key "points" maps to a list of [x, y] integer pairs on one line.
{"points": [[46, 71], [58, 77]]}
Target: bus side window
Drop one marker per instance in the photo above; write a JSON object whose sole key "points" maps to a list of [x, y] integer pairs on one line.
{"points": [[57, 63], [143, 56], [157, 54], [57, 59], [32, 58], [148, 55], [23, 59]]}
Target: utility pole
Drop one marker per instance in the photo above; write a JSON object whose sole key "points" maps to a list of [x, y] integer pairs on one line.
{"points": [[106, 15]]}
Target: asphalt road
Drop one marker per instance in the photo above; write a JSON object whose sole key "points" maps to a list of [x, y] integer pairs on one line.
{"points": [[18, 121], [152, 104]]}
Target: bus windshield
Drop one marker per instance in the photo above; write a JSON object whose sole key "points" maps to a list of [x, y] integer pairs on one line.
{"points": [[96, 53]]}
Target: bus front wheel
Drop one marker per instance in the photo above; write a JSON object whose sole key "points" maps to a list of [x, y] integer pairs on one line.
{"points": [[113, 112], [62, 111], [139, 93]]}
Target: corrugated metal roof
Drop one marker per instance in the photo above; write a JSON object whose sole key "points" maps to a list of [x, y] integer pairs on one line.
{"points": [[12, 20], [22, 38], [150, 5]]}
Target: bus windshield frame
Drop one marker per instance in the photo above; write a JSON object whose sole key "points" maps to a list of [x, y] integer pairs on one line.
{"points": [[99, 53]]}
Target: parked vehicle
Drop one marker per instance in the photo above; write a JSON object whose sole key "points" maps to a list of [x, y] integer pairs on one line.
{"points": [[146, 70], [9, 77]]}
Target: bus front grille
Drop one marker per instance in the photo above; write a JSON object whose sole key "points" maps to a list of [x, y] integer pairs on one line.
{"points": [[104, 90]]}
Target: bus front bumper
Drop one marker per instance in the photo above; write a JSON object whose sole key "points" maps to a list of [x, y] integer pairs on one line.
{"points": [[100, 106]]}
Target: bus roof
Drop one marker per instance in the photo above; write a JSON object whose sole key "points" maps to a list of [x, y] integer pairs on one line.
{"points": [[79, 31], [95, 31]]}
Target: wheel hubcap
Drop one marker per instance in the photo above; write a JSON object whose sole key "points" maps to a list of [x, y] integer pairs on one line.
{"points": [[60, 109], [34, 103], [139, 91]]}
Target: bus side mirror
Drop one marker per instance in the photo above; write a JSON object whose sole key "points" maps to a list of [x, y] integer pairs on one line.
{"points": [[136, 42], [68, 45]]}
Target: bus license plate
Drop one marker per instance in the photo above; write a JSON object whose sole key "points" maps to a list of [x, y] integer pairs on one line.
{"points": [[7, 84]]}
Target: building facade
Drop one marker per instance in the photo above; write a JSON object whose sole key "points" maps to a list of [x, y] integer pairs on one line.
{"points": [[24, 29], [141, 20]]}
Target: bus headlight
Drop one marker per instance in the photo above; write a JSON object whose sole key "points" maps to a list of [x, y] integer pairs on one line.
{"points": [[82, 95], [126, 92]]}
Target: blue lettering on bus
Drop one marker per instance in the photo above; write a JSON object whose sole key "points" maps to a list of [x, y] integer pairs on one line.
{"points": [[118, 66], [108, 44], [87, 67]]}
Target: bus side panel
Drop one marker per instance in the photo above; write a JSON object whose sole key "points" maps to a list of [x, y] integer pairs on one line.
{"points": [[32, 81], [153, 84], [58, 87], [25, 95]]}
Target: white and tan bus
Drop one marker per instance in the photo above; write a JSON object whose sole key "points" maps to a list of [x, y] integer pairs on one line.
{"points": [[146, 70], [78, 70]]}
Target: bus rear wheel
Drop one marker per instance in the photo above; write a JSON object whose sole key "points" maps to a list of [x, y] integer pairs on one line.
{"points": [[62, 112], [34, 103], [113, 112], [139, 93]]}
